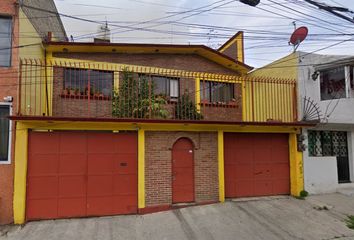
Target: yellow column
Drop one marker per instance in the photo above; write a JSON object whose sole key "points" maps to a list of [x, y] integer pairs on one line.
{"points": [[49, 84], [244, 100], [296, 167], [197, 93], [21, 151], [141, 168], [221, 166], [240, 48]]}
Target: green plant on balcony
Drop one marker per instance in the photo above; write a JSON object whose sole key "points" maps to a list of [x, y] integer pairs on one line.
{"points": [[152, 108], [186, 109], [136, 99]]}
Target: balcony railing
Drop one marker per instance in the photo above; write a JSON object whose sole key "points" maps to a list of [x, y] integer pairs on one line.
{"points": [[96, 90]]}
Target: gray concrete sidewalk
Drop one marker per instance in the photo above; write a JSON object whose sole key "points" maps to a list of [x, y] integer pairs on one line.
{"points": [[270, 219]]}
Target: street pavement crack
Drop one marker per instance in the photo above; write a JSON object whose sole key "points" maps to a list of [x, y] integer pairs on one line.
{"points": [[184, 224]]}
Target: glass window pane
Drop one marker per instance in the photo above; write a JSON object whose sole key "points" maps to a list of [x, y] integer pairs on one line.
{"points": [[174, 88], [327, 143], [160, 85], [221, 92], [4, 132], [101, 82], [314, 143], [5, 41], [332, 83], [205, 91]]}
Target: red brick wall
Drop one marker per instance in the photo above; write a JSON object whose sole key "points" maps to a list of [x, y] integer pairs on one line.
{"points": [[8, 83], [231, 51], [97, 108], [158, 165], [78, 106], [222, 112]]}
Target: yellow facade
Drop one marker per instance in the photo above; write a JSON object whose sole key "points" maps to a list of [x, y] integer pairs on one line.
{"points": [[221, 166], [34, 49], [273, 97], [20, 179]]}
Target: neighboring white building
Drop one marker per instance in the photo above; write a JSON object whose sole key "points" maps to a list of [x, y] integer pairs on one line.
{"points": [[327, 82], [325, 97]]}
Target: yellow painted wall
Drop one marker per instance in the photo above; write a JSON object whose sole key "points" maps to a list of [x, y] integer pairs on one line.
{"points": [[20, 177], [296, 167], [221, 164], [272, 97], [30, 103], [286, 67], [28, 35]]}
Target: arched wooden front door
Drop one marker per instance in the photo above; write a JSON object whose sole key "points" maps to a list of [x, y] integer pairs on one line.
{"points": [[183, 171]]}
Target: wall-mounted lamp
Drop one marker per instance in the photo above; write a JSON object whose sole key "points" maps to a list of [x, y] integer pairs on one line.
{"points": [[315, 75], [8, 99]]}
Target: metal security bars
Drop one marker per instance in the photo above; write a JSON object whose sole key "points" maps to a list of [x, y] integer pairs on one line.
{"points": [[63, 88]]}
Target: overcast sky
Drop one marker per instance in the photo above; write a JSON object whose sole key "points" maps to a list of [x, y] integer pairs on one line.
{"points": [[211, 22]]}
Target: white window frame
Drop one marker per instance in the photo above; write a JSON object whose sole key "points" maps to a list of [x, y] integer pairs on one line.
{"points": [[348, 91], [10, 135]]}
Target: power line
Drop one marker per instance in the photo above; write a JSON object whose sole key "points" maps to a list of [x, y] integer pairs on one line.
{"points": [[131, 27]]}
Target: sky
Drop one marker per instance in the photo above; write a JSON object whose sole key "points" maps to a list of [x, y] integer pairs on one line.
{"points": [[267, 27]]}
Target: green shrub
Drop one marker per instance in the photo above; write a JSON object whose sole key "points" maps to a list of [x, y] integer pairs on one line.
{"points": [[186, 109]]}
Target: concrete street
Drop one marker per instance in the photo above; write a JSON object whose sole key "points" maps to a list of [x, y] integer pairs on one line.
{"points": [[265, 218]]}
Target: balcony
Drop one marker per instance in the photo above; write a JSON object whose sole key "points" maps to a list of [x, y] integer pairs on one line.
{"points": [[84, 90]]}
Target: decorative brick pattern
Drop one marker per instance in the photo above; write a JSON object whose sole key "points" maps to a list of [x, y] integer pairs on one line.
{"points": [[158, 166]]}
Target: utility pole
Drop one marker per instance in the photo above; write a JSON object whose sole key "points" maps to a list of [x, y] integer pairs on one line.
{"points": [[332, 10]]}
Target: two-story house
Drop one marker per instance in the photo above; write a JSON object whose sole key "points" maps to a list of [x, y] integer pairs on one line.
{"points": [[325, 97], [22, 31], [111, 128]]}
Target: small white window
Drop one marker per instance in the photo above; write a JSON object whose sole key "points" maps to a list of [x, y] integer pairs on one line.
{"points": [[5, 133], [174, 88]]}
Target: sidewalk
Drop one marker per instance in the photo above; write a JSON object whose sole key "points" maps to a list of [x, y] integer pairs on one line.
{"points": [[265, 218]]}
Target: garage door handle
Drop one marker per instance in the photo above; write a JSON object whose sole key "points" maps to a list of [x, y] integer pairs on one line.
{"points": [[123, 164], [258, 173]]}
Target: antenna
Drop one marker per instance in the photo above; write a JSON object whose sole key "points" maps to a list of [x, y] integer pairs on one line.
{"points": [[103, 33], [298, 36]]}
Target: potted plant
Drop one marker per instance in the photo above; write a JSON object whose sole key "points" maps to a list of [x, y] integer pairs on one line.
{"points": [[233, 102], [97, 94], [65, 91], [72, 91], [77, 92], [204, 101]]}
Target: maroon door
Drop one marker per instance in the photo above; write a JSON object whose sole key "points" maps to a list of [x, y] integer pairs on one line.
{"points": [[183, 171], [78, 174], [256, 164]]}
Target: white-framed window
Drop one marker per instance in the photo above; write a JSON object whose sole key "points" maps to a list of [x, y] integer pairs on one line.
{"points": [[337, 83], [162, 85], [5, 133], [5, 40]]}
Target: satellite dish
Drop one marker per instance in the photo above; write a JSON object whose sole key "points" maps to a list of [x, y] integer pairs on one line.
{"points": [[298, 36], [252, 3]]}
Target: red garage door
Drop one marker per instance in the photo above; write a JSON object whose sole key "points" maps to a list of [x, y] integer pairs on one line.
{"points": [[77, 174], [256, 164]]}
